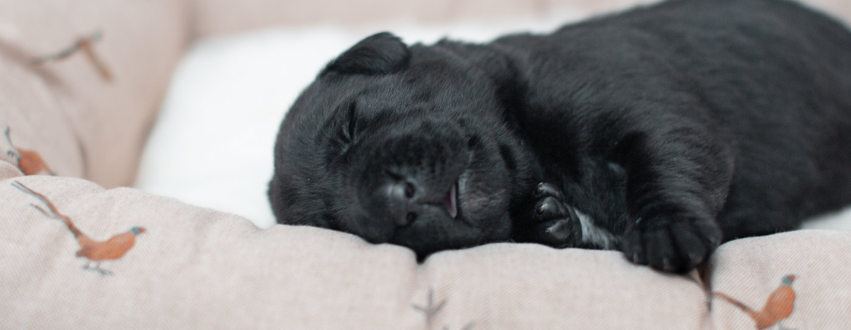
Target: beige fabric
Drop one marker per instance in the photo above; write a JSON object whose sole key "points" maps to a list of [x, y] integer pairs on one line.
{"points": [[80, 124], [839, 9], [227, 16], [751, 269], [197, 268]]}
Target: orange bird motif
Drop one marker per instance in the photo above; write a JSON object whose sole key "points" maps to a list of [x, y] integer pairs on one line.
{"points": [[30, 162], [777, 308], [94, 251]]}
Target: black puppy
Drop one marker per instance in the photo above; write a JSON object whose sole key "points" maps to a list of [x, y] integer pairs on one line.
{"points": [[662, 132]]}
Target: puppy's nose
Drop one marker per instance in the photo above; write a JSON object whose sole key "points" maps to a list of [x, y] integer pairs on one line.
{"points": [[401, 203]]}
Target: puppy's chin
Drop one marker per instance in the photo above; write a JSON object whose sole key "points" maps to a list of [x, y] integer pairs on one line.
{"points": [[430, 233], [445, 233], [428, 237], [375, 233]]}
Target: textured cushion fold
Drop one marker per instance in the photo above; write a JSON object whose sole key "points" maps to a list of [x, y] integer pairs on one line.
{"points": [[749, 270], [82, 124], [194, 267]]}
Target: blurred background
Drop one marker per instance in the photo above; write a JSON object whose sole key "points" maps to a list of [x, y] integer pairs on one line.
{"points": [[212, 142]]}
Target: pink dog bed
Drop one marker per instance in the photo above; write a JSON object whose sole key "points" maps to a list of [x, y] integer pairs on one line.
{"points": [[78, 249]]}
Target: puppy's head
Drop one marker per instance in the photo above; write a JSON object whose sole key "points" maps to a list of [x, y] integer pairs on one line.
{"points": [[398, 144]]}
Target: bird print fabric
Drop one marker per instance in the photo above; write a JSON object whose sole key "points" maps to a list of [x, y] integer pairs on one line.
{"points": [[779, 305], [28, 161], [92, 250]]}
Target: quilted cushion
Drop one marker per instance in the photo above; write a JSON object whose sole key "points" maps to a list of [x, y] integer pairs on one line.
{"points": [[81, 124], [74, 254], [191, 267]]}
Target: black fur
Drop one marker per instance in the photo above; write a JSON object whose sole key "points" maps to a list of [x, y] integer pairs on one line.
{"points": [[670, 128]]}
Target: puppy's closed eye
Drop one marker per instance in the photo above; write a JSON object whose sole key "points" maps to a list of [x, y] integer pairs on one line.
{"points": [[347, 132]]}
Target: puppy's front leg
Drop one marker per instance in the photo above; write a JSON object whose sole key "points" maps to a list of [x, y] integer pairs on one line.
{"points": [[678, 178]]}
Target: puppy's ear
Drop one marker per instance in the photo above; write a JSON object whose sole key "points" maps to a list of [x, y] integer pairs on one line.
{"points": [[381, 53]]}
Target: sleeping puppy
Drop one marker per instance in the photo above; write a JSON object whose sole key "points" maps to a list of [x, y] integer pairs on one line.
{"points": [[662, 132]]}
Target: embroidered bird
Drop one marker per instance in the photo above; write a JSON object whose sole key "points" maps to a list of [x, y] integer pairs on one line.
{"points": [[30, 162], [94, 251], [777, 308]]}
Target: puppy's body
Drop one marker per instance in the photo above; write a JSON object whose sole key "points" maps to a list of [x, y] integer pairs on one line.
{"points": [[662, 132]]}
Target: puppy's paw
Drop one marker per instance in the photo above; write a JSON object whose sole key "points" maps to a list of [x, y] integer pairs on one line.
{"points": [[554, 223], [671, 246]]}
